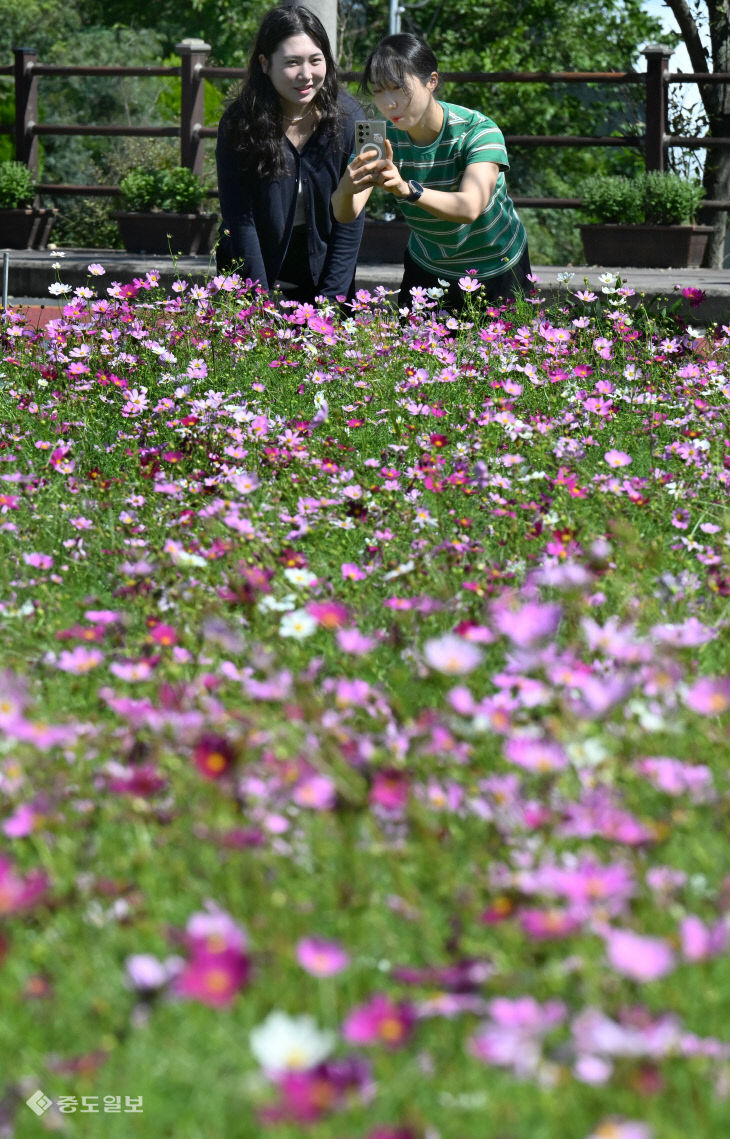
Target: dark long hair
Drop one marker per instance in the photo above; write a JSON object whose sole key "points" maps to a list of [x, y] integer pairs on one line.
{"points": [[254, 118], [397, 59]]}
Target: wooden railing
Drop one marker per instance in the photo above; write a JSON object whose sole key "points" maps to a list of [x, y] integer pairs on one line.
{"points": [[193, 70]]}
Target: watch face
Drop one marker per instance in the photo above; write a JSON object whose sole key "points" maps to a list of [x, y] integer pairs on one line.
{"points": [[416, 186]]}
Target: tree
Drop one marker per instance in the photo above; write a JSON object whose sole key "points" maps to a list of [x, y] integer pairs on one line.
{"points": [[715, 16]]}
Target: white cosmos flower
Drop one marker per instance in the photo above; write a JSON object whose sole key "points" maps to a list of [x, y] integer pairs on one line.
{"points": [[298, 624], [284, 1043], [300, 576]]}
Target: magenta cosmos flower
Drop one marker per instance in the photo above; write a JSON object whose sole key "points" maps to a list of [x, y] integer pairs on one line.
{"points": [[380, 1021]]}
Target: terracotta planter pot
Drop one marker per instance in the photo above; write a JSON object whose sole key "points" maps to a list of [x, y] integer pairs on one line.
{"points": [[383, 241], [160, 232], [645, 246]]}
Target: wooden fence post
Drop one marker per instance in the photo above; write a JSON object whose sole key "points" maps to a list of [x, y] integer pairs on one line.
{"points": [[26, 108], [193, 54], [657, 61]]}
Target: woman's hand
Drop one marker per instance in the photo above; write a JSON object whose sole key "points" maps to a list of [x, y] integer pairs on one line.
{"points": [[388, 175], [356, 186]]}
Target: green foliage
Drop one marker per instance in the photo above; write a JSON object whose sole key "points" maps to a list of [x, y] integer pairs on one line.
{"points": [[140, 190], [654, 198], [670, 199], [177, 190], [613, 198], [16, 185], [181, 190]]}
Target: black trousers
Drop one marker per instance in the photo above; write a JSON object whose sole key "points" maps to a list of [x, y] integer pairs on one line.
{"points": [[502, 287], [295, 277]]}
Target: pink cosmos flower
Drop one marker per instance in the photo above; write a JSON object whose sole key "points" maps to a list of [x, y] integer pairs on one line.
{"points": [[17, 893], [699, 941], [390, 791], [22, 822], [321, 958], [38, 561], [535, 754], [352, 572], [617, 458], [525, 624], [354, 642], [452, 655], [710, 696], [328, 614], [317, 792], [219, 964], [638, 957], [380, 1021]]}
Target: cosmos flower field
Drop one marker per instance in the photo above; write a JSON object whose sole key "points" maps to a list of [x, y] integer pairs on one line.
{"points": [[364, 708]]}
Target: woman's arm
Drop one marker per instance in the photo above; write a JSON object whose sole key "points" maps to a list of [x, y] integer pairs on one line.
{"points": [[355, 187], [237, 211], [463, 206]]}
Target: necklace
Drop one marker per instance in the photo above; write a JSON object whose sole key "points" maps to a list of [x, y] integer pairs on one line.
{"points": [[289, 119]]}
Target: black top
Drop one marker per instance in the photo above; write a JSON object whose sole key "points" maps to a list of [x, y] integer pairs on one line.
{"points": [[259, 213]]}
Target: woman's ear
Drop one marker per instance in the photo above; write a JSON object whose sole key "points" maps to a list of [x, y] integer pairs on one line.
{"points": [[264, 64], [433, 81]]}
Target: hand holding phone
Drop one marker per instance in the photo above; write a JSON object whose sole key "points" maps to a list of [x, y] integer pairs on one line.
{"points": [[370, 136]]}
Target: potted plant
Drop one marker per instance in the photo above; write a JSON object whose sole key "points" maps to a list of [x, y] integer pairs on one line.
{"points": [[643, 221], [22, 225], [162, 212]]}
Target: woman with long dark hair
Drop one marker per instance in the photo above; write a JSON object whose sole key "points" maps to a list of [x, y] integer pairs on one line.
{"points": [[445, 168], [283, 144]]}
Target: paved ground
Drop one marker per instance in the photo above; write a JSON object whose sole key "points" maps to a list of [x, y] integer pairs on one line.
{"points": [[30, 272]]}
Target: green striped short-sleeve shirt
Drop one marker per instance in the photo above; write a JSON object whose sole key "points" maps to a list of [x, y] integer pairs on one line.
{"points": [[492, 243]]}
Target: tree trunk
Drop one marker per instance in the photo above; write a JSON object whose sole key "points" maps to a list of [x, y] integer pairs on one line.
{"points": [[716, 101], [717, 167]]}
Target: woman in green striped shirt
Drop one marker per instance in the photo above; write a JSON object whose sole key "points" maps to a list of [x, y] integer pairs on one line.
{"points": [[445, 168]]}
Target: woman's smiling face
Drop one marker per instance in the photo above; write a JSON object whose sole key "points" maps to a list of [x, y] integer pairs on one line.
{"points": [[297, 69]]}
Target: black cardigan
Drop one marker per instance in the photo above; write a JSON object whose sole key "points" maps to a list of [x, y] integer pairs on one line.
{"points": [[259, 213]]}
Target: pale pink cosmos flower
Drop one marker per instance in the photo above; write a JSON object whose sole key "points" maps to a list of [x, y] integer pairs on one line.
{"points": [[321, 958], [79, 660], [525, 624], [452, 655], [638, 957], [615, 1128], [617, 458]]}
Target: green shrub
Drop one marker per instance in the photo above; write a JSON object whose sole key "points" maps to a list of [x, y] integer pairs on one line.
{"points": [[16, 185], [670, 199], [613, 198], [177, 190], [139, 190], [654, 198], [181, 191]]}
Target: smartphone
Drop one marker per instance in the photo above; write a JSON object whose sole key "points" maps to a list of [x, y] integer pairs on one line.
{"points": [[370, 135]]}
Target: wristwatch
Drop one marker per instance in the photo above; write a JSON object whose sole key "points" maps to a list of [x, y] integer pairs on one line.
{"points": [[416, 190]]}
